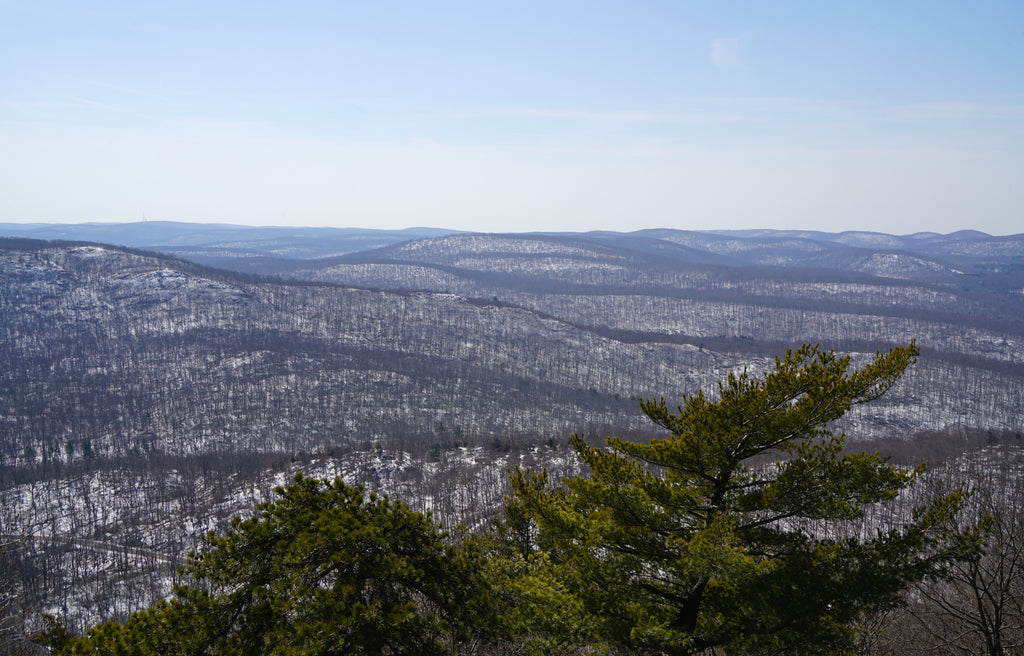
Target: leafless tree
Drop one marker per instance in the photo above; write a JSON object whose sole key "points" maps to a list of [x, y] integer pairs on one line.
{"points": [[979, 609], [12, 612]]}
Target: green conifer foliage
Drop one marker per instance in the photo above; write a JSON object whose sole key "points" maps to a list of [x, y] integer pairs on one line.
{"points": [[699, 540], [322, 570]]}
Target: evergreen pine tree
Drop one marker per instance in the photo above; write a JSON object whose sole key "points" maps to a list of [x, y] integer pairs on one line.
{"points": [[700, 540], [322, 570]]}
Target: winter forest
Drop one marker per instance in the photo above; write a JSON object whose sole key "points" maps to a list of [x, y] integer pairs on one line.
{"points": [[660, 442]]}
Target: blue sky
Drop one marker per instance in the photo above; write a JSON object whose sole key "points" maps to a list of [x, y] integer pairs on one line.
{"points": [[889, 116]]}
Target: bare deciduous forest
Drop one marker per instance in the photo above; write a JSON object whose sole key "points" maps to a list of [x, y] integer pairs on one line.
{"points": [[147, 399]]}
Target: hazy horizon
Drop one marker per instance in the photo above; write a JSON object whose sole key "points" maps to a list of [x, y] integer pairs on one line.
{"points": [[216, 224]]}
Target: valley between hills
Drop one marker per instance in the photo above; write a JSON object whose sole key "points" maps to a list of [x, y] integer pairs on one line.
{"points": [[157, 379]]}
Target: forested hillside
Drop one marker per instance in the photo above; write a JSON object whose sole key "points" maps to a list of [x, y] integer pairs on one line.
{"points": [[146, 399], [108, 351]]}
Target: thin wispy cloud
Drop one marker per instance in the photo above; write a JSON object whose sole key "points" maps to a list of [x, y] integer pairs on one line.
{"points": [[624, 116], [724, 110], [33, 107], [728, 53], [960, 111]]}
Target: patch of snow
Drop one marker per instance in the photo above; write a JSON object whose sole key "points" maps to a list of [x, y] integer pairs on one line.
{"points": [[89, 251]]}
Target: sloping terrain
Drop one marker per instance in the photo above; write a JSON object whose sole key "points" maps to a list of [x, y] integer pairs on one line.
{"points": [[146, 399], [970, 326], [217, 244], [107, 351]]}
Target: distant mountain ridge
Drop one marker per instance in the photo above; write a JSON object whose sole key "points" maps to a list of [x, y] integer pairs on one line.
{"points": [[203, 239], [232, 246]]}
